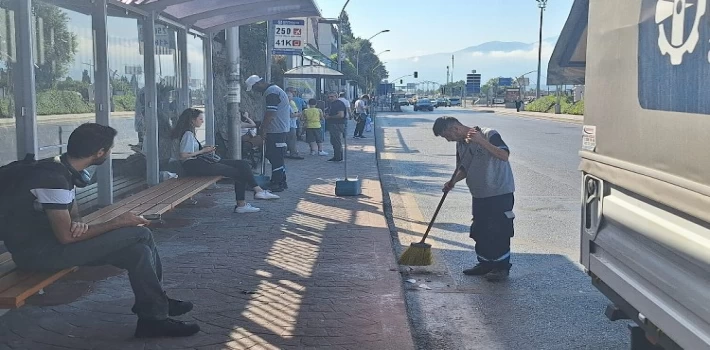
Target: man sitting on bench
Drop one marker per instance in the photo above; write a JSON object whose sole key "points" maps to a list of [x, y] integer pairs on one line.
{"points": [[45, 232]]}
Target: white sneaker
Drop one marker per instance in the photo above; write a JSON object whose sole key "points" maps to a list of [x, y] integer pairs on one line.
{"points": [[265, 195], [313, 153], [246, 209], [322, 153]]}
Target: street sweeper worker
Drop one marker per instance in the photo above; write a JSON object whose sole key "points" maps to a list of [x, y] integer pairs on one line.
{"points": [[482, 159]]}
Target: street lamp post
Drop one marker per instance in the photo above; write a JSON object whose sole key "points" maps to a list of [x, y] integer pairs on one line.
{"points": [[357, 59], [541, 4]]}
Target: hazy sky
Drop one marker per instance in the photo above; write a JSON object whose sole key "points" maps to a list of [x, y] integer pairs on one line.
{"points": [[423, 27]]}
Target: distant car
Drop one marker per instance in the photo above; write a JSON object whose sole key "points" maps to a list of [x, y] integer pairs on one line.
{"points": [[423, 104], [443, 102], [454, 101], [403, 102]]}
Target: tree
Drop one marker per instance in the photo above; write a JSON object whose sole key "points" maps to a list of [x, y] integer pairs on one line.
{"points": [[59, 44], [85, 78]]}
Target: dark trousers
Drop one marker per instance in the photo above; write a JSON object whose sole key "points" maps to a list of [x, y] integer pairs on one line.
{"points": [[129, 248], [275, 148], [237, 170], [336, 139], [360, 127], [492, 229]]}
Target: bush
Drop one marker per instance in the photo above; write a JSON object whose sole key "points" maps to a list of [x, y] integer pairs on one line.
{"points": [[61, 102], [542, 104], [546, 104], [575, 108], [124, 103]]}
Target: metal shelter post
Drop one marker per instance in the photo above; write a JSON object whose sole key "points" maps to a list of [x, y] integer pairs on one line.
{"points": [[25, 96], [150, 146], [182, 58], [209, 92], [233, 97], [102, 99]]}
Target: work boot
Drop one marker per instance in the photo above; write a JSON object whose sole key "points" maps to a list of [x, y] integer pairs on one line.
{"points": [[478, 270], [178, 307], [165, 328], [498, 274]]}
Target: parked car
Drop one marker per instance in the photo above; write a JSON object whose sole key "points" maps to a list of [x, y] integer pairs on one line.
{"points": [[423, 104], [454, 101], [403, 102]]}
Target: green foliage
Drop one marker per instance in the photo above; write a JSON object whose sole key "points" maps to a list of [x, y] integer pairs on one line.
{"points": [[575, 108], [59, 45], [61, 102], [543, 104], [546, 104], [124, 103], [74, 85]]}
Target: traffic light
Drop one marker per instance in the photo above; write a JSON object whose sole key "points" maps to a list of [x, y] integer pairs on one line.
{"points": [[401, 81], [416, 75]]}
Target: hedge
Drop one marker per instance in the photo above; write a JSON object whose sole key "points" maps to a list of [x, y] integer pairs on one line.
{"points": [[66, 102], [124, 103], [546, 104], [61, 102]]}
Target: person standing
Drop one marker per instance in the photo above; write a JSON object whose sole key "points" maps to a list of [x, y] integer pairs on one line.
{"points": [[313, 117], [348, 110], [291, 139], [482, 159], [361, 115], [275, 127], [336, 125]]}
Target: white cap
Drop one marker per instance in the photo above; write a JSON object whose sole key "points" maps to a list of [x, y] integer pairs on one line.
{"points": [[252, 80]]}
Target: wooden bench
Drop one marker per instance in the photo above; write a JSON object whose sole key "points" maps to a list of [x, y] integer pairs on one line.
{"points": [[16, 285]]}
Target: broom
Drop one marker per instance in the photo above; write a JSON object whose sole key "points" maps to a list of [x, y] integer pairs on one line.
{"points": [[419, 253]]}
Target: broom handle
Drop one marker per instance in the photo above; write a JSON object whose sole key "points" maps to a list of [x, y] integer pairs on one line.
{"points": [[436, 212]]}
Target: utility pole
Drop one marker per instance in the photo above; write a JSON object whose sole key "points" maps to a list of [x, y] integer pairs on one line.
{"points": [[542, 4], [447, 80]]}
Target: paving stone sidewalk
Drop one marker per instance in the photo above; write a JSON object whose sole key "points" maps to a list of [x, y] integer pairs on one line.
{"points": [[310, 271]]}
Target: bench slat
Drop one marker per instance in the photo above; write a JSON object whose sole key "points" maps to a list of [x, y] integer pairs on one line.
{"points": [[26, 284], [162, 190], [138, 197], [176, 197]]}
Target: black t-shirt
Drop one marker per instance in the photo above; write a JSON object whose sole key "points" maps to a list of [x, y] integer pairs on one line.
{"points": [[47, 187], [333, 109]]}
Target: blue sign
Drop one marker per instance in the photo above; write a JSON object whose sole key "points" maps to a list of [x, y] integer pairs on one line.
{"points": [[673, 63], [505, 81], [384, 89], [472, 88]]}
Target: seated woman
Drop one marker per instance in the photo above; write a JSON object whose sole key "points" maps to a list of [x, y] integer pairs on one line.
{"points": [[200, 161]]}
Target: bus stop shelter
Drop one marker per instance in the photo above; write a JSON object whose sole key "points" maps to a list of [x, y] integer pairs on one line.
{"points": [[319, 73], [191, 20], [569, 59]]}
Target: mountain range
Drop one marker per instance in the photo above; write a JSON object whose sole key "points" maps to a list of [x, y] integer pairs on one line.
{"points": [[490, 59]]}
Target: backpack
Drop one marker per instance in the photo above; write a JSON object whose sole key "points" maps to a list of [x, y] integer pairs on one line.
{"points": [[10, 176]]}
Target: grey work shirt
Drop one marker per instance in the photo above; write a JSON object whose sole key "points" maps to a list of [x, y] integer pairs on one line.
{"points": [[486, 175], [277, 101]]}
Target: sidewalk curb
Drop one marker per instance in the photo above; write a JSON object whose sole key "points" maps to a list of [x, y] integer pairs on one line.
{"points": [[527, 114]]}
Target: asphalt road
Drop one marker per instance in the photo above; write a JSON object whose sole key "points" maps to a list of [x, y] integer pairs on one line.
{"points": [[548, 302]]}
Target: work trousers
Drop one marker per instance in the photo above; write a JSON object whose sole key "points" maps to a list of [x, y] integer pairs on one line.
{"points": [[492, 229], [129, 248]]}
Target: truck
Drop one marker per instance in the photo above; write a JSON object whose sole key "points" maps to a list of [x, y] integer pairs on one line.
{"points": [[645, 177]]}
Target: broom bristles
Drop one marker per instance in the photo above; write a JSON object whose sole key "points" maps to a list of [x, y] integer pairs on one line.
{"points": [[417, 254]]}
